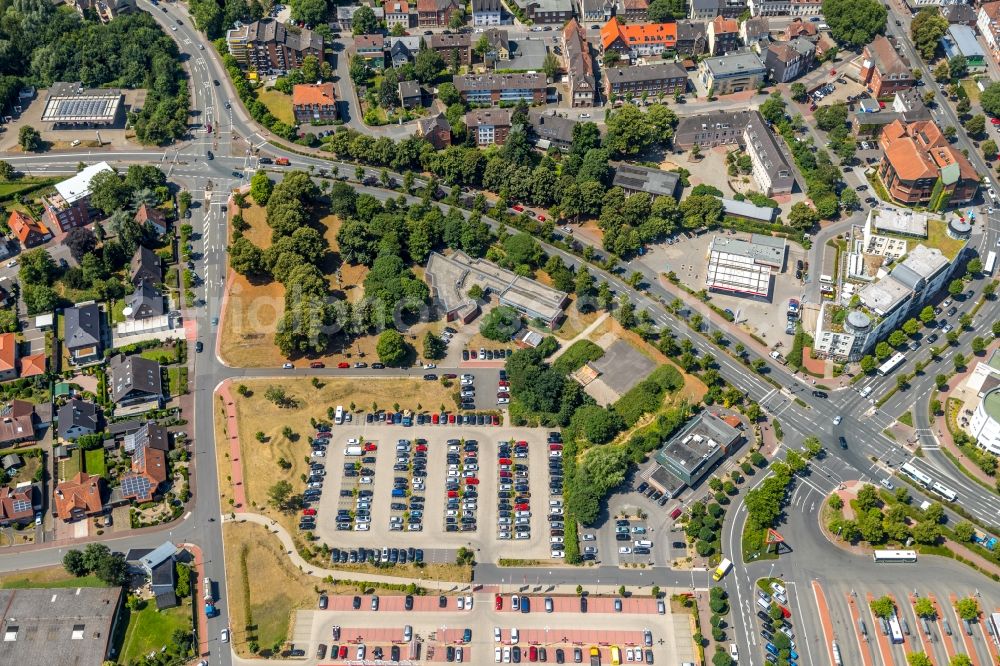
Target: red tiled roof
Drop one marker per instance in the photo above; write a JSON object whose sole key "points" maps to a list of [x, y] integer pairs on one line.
{"points": [[308, 94], [920, 150], [7, 497], [8, 352], [22, 225], [149, 214], [33, 364], [81, 493], [634, 34], [725, 25]]}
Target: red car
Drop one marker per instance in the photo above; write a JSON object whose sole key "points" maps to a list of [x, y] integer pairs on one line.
{"points": [[498, 602], [541, 218], [473, 481], [343, 652], [522, 443], [504, 474], [308, 512], [434, 418], [533, 653], [555, 447], [995, 121], [503, 394], [503, 382], [496, 420], [371, 446], [504, 461], [452, 493], [343, 366], [449, 375], [518, 207], [473, 353], [422, 447], [785, 612], [521, 507], [318, 364]]}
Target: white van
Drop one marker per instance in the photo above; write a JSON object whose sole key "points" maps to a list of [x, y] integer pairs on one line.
{"points": [[339, 415], [866, 391], [643, 543]]}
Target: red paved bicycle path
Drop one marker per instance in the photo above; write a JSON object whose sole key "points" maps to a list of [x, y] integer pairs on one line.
{"points": [[232, 433], [970, 648], [824, 616], [866, 656]]}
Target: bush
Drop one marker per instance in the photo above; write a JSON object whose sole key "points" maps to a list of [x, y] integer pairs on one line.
{"points": [[576, 356], [647, 395], [501, 324]]}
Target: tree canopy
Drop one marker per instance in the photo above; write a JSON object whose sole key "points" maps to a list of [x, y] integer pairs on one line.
{"points": [[854, 23]]}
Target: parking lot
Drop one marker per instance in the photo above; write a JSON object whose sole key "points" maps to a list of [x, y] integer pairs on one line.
{"points": [[443, 629], [457, 503]]}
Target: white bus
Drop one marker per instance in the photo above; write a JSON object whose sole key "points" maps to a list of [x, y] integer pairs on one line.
{"points": [[995, 619], [915, 474], [890, 365], [991, 261], [890, 556], [339, 416], [944, 491], [895, 633]]}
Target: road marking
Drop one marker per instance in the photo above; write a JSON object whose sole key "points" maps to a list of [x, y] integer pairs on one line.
{"points": [[186, 515]]}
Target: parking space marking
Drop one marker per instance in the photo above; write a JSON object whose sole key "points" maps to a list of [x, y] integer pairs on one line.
{"points": [[949, 644], [970, 648], [824, 615], [925, 641], [884, 647], [866, 656], [991, 645]]}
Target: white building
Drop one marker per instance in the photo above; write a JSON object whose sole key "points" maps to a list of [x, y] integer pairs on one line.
{"points": [[985, 424], [744, 267], [487, 12]]}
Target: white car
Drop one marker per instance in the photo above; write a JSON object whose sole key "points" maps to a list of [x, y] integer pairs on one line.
{"points": [[497, 637], [624, 550], [224, 636], [467, 382], [734, 651], [506, 655], [555, 539], [503, 401], [589, 537], [992, 193], [515, 636], [318, 454], [430, 366], [461, 603], [362, 527], [468, 602], [498, 655], [522, 535], [366, 480], [585, 115], [468, 377], [558, 554]]}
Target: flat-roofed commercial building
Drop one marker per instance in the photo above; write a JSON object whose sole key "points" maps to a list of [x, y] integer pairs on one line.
{"points": [[70, 105], [633, 178], [451, 276], [689, 455], [731, 73], [744, 267]]}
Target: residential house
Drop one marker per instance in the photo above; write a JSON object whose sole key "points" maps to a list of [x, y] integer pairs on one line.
{"points": [[450, 47], [707, 130], [918, 160], [692, 37], [496, 89], [145, 302], [551, 12], [29, 232], [134, 380], [147, 474], [8, 356], [579, 65], [79, 497], [771, 166], [723, 36], [634, 11], [736, 72], [314, 102], [786, 7], [706, 10], [787, 61], [33, 365], [883, 70], [148, 434], [17, 505], [397, 12], [489, 126], [960, 14], [755, 33], [596, 10], [154, 217], [69, 207], [988, 23], [550, 129], [487, 12], [402, 49], [371, 49], [78, 417], [83, 337], [635, 40], [145, 267], [960, 40], [437, 13], [345, 16], [17, 423], [268, 45], [410, 94], [799, 28], [159, 565], [436, 130], [661, 79], [498, 47]]}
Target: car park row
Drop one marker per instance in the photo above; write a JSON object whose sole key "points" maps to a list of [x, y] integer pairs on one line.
{"points": [[462, 486]]}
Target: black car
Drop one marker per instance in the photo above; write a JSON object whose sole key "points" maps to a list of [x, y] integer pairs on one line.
{"points": [[378, 366], [431, 377], [408, 602], [842, 442], [356, 603], [450, 653], [515, 654], [819, 394], [442, 601], [525, 605], [394, 653], [764, 616], [932, 338], [767, 635], [198, 346], [265, 160]]}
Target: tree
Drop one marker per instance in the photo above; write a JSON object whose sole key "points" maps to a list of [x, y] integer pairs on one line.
{"points": [[867, 498], [597, 424], [522, 249], [883, 607], [926, 29], [927, 315], [391, 347], [918, 659], [960, 660], [81, 241], [550, 65], [109, 192], [29, 139], [364, 22], [835, 502], [867, 363], [36, 268], [897, 338], [976, 125], [989, 99], [831, 117], [924, 607], [629, 131], [500, 324], [813, 446], [773, 109], [261, 185], [7, 171], [964, 531], [802, 216], [967, 608], [663, 11], [427, 65], [978, 344], [279, 494], [926, 532], [853, 23], [958, 66], [942, 73], [798, 91], [955, 287], [74, 564], [434, 346], [312, 12]]}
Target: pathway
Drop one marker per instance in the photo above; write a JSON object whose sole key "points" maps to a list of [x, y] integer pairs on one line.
{"points": [[199, 565], [233, 435], [582, 335]]}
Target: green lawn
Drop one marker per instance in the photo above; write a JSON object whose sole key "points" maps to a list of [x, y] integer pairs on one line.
{"points": [[96, 463], [149, 630], [178, 376], [937, 236], [155, 353], [971, 89], [118, 311], [49, 578], [278, 103], [73, 465]]}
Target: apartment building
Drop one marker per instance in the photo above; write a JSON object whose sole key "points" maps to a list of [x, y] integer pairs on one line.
{"points": [[988, 23], [70, 207], [883, 70], [437, 13], [771, 165], [490, 127], [661, 79], [917, 159], [371, 48], [579, 65], [786, 7], [487, 12], [269, 45], [446, 45], [638, 41], [314, 102], [692, 38], [788, 61], [397, 12], [548, 12], [495, 89], [723, 36], [736, 72]]}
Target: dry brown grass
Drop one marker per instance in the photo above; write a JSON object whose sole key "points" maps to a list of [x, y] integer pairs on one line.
{"points": [[255, 413], [575, 321], [446, 572]]}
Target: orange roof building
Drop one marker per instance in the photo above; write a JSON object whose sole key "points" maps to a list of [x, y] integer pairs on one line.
{"points": [[29, 231], [8, 356], [723, 35], [314, 102], [16, 504], [637, 40], [78, 497], [33, 365], [917, 157]]}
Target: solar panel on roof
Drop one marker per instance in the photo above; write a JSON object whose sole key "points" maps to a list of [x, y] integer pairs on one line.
{"points": [[21, 505], [135, 485]]}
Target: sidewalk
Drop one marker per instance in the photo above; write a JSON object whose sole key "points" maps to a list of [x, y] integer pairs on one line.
{"points": [[582, 335], [199, 565], [233, 436]]}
